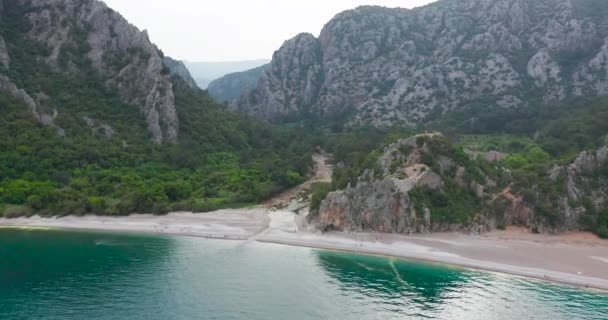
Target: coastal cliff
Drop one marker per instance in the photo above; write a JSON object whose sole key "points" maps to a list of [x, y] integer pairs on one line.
{"points": [[420, 184], [424, 184]]}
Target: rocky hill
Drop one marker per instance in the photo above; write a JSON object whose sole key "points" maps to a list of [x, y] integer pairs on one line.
{"points": [[72, 37], [424, 184], [231, 86], [382, 66], [419, 184]]}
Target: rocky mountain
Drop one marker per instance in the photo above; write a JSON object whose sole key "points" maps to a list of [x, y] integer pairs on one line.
{"points": [[381, 66], [73, 37], [231, 86]]}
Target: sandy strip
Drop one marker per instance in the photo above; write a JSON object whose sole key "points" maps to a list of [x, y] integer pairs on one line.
{"points": [[577, 259], [223, 224]]}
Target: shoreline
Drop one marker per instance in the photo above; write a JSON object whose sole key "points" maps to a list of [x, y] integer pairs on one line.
{"points": [[560, 281], [578, 261]]}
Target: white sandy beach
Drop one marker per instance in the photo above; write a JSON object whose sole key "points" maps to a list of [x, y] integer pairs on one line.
{"points": [[578, 258]]}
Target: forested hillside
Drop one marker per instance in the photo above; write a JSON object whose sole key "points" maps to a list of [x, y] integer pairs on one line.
{"points": [[85, 130]]}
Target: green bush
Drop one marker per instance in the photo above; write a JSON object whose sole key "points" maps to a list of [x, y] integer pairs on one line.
{"points": [[319, 193], [602, 232], [17, 211]]}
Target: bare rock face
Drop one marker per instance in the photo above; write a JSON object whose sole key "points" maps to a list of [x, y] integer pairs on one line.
{"points": [[385, 66], [4, 57], [291, 82], [117, 50], [373, 205], [585, 186], [178, 69]]}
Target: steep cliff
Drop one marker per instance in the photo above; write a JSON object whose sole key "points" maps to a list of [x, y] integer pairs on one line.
{"points": [[178, 69], [73, 37], [584, 199], [382, 66]]}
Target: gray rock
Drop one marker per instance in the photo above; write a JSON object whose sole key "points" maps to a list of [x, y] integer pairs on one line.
{"points": [[494, 156], [99, 128], [5, 60], [291, 81], [375, 205], [385, 66], [178, 69], [31, 103], [579, 178], [140, 82]]}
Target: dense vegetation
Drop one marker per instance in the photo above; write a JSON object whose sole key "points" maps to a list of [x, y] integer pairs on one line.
{"points": [[221, 158]]}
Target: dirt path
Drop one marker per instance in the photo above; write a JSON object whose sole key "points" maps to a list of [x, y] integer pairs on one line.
{"points": [[322, 173]]}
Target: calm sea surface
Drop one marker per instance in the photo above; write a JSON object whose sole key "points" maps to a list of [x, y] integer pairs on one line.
{"points": [[74, 275]]}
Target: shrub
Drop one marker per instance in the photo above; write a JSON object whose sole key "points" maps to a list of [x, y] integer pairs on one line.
{"points": [[319, 193], [17, 211], [602, 232]]}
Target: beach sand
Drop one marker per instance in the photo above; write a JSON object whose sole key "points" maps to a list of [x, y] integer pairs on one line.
{"points": [[222, 224], [575, 258]]}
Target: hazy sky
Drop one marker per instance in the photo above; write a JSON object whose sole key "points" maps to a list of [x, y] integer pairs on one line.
{"points": [[228, 30]]}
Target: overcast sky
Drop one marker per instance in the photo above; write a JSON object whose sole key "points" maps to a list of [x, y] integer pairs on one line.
{"points": [[230, 30]]}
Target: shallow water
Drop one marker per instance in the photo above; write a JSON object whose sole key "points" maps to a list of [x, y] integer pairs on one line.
{"points": [[69, 275]]}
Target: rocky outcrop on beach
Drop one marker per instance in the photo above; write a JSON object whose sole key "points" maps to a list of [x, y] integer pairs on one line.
{"points": [[424, 184], [379, 66], [388, 198], [78, 35]]}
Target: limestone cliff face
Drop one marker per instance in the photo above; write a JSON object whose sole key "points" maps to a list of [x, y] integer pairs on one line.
{"points": [[381, 200], [178, 69], [396, 66], [290, 83], [122, 55], [373, 205], [586, 188]]}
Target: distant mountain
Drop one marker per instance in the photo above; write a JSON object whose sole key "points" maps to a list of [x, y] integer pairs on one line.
{"points": [[231, 86], [383, 67], [205, 72]]}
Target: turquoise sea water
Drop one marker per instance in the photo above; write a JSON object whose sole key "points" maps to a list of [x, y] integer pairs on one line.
{"points": [[71, 275]]}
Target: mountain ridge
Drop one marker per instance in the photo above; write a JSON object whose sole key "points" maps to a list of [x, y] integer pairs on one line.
{"points": [[382, 67]]}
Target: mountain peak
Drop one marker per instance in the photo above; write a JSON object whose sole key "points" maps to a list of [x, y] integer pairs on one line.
{"points": [[81, 34], [384, 67]]}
